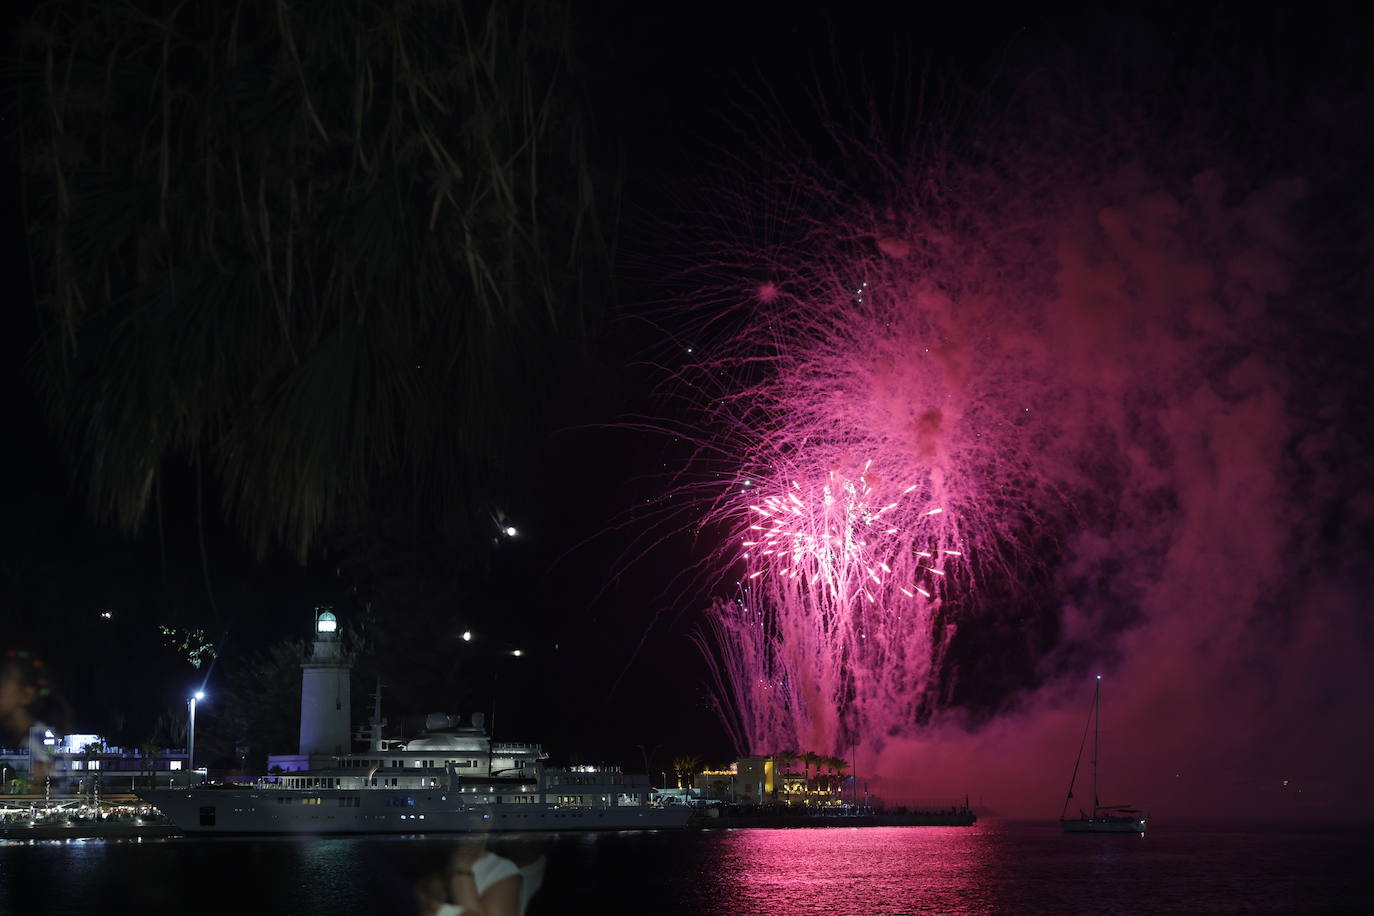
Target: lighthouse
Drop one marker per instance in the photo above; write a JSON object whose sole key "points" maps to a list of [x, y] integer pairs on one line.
{"points": [[325, 700]]}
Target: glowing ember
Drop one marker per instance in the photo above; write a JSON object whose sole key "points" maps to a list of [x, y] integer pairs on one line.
{"points": [[835, 537]]}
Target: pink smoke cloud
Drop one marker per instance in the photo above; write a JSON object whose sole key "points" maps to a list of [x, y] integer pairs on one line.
{"points": [[1095, 351]]}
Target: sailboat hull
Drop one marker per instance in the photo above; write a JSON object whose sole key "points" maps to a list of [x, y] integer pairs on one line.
{"points": [[1105, 818], [1104, 825]]}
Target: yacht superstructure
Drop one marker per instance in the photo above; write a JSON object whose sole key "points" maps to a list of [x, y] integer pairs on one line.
{"points": [[451, 778]]}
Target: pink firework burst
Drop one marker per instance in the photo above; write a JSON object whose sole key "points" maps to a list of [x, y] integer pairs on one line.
{"points": [[839, 606], [843, 536], [1058, 337], [904, 338]]}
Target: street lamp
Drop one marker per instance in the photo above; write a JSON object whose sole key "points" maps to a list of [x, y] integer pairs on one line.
{"points": [[191, 741], [648, 759]]}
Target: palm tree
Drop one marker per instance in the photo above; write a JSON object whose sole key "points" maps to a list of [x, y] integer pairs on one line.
{"points": [[811, 758], [837, 766], [840, 766], [686, 767], [694, 766], [255, 690], [87, 751], [147, 752], [823, 779], [172, 723], [785, 760], [327, 260]]}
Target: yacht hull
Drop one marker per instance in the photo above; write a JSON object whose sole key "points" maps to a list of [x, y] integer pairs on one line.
{"points": [[229, 811], [1104, 825]]}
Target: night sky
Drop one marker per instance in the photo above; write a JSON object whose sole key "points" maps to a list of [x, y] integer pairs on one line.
{"points": [[694, 117]]}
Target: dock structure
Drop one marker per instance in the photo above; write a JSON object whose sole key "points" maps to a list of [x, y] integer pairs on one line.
{"points": [[42, 817], [773, 816]]}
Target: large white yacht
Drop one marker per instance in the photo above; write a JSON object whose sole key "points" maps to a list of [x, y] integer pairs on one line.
{"points": [[452, 778]]}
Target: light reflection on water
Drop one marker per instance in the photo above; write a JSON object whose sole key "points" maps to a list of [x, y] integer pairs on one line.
{"points": [[871, 870], [993, 867]]}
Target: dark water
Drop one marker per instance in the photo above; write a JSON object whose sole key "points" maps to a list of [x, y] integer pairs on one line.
{"points": [[995, 867]]}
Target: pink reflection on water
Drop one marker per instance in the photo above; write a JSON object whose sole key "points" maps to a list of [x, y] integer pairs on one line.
{"points": [[857, 870]]}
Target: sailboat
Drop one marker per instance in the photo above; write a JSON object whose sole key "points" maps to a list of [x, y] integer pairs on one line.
{"points": [[1104, 818]]}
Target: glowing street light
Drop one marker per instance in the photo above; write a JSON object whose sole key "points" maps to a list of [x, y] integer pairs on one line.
{"points": [[191, 702], [517, 653], [510, 531], [467, 636]]}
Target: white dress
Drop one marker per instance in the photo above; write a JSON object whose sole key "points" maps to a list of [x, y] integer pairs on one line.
{"points": [[531, 879], [490, 869]]}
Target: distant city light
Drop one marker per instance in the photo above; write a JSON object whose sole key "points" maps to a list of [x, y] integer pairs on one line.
{"points": [[467, 636], [517, 653], [510, 531], [107, 614]]}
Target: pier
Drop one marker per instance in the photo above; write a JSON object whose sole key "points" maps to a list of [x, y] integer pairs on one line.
{"points": [[723, 816]]}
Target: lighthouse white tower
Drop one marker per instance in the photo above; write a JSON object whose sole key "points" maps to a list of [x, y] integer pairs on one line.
{"points": [[325, 701]]}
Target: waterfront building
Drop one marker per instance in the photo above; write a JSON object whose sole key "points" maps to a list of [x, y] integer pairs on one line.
{"points": [[769, 780], [80, 760]]}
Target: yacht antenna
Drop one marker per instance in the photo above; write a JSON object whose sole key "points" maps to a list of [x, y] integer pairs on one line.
{"points": [[377, 720], [1097, 741]]}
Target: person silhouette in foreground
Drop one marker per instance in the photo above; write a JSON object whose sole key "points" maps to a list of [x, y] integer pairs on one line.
{"points": [[23, 682], [472, 880], [481, 882]]}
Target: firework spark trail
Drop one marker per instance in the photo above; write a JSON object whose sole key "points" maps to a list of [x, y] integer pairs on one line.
{"points": [[1105, 333], [1019, 334], [921, 343], [840, 535], [827, 566], [846, 585]]}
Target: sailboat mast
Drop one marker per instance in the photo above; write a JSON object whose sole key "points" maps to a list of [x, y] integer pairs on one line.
{"points": [[1097, 741]]}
